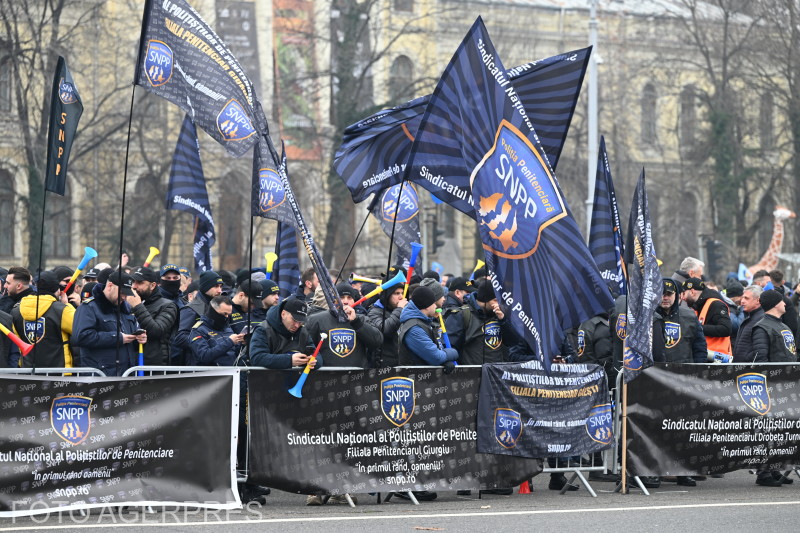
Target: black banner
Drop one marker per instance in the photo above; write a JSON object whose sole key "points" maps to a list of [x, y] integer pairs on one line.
{"points": [[66, 109], [373, 431], [526, 412], [688, 420], [73, 443]]}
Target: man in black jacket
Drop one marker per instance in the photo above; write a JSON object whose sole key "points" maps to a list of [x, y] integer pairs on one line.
{"points": [[712, 313], [155, 314], [210, 286], [743, 349], [17, 286]]}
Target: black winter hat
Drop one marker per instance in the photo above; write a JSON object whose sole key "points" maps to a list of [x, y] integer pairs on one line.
{"points": [[485, 292], [770, 299], [269, 287], [433, 285], [209, 279], [48, 282], [347, 289], [423, 297], [62, 272], [734, 289], [432, 274]]}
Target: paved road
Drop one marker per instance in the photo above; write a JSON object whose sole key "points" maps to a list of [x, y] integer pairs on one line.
{"points": [[715, 505]]}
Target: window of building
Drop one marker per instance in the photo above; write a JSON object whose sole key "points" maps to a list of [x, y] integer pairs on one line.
{"points": [[404, 5], [765, 122], [401, 75], [5, 86], [688, 120], [648, 126], [7, 213]]}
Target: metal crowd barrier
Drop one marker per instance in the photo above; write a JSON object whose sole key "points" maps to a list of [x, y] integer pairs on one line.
{"points": [[55, 371]]}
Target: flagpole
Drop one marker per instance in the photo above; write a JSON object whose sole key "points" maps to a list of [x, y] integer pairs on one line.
{"points": [[624, 472], [39, 266], [347, 257]]}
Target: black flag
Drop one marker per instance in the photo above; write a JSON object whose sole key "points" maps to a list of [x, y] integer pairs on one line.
{"points": [[65, 112]]}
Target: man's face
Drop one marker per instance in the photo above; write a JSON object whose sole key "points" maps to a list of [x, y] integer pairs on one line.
{"points": [[270, 300], [313, 283], [13, 286], [696, 272], [395, 298], [144, 288], [111, 292], [290, 323], [347, 299], [780, 309], [691, 296], [761, 282], [667, 299], [737, 300], [459, 294], [429, 311], [214, 291], [749, 302], [171, 275], [225, 309], [244, 301]]}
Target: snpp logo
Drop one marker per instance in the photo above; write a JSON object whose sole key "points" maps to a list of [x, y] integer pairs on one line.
{"points": [[342, 341], [71, 418], [66, 92], [753, 391], [397, 399], [271, 193], [599, 424], [233, 123], [507, 427], [158, 63], [409, 203]]}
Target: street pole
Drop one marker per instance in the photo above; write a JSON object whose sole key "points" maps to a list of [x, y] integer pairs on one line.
{"points": [[591, 152]]}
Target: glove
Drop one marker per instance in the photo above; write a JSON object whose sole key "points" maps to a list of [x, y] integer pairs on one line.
{"points": [[448, 367]]}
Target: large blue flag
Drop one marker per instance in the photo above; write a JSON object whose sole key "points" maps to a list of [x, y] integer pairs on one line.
{"points": [[406, 210], [183, 60], [539, 265], [288, 264], [272, 197], [187, 192], [605, 233], [644, 286], [374, 151], [66, 109]]}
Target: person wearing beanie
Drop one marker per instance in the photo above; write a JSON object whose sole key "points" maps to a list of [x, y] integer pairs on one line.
{"points": [[433, 275], [157, 315], [732, 296], [478, 329], [209, 286], [247, 297], [436, 287], [773, 341], [751, 307], [271, 296], [347, 344], [418, 337], [712, 312], [45, 319], [385, 315]]}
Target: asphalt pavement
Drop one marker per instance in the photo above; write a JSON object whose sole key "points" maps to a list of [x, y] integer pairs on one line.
{"points": [[734, 501]]}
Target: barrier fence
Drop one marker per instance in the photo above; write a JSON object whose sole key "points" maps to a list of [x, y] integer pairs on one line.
{"points": [[343, 436]]}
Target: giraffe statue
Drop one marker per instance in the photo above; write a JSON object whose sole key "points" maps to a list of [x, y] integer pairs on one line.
{"points": [[769, 261]]}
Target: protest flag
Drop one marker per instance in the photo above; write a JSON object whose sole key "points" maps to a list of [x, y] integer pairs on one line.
{"points": [[183, 60], [406, 210], [540, 268], [65, 112], [605, 235], [272, 197], [187, 192], [374, 152], [644, 286], [288, 264]]}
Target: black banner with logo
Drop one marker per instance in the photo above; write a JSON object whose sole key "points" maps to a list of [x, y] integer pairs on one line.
{"points": [[72, 443], [373, 431], [527, 412], [707, 419]]}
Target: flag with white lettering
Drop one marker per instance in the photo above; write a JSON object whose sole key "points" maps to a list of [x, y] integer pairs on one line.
{"points": [[644, 286], [387, 207], [187, 192], [183, 60], [374, 152], [605, 233], [540, 268], [65, 112]]}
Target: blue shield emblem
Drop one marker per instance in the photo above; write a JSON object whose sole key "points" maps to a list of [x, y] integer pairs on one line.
{"points": [[507, 427], [631, 360], [233, 123], [753, 390], [788, 341], [158, 63], [66, 92], [342, 341], [491, 335], [271, 193], [71, 418], [581, 342], [34, 331], [672, 334], [397, 399], [409, 203], [621, 326], [600, 423], [517, 196]]}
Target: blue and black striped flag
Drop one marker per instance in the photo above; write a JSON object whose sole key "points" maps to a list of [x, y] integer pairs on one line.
{"points": [[288, 264], [406, 230], [183, 60], [540, 268], [605, 233], [187, 192], [66, 109], [644, 286], [374, 151]]}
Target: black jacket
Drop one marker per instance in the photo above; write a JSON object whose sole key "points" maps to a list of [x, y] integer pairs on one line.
{"points": [[743, 349], [157, 316], [718, 320], [773, 342]]}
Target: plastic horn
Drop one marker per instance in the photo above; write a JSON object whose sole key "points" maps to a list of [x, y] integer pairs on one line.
{"points": [[356, 277], [23, 346], [445, 336], [297, 390], [397, 280], [88, 255], [479, 265], [270, 258], [141, 359], [153, 252], [415, 249]]}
